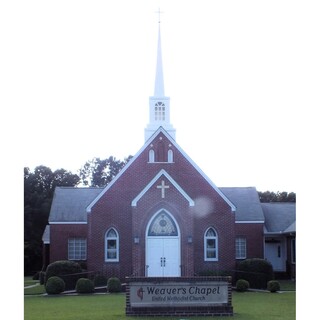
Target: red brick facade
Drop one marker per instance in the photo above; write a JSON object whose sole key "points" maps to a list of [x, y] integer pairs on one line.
{"points": [[190, 198]]}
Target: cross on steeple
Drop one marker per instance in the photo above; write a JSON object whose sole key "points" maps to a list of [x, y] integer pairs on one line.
{"points": [[162, 187]]}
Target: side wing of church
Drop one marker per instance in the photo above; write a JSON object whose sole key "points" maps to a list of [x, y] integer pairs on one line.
{"points": [[162, 216]]}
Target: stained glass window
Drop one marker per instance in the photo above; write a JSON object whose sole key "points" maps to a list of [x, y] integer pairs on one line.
{"points": [[162, 225]]}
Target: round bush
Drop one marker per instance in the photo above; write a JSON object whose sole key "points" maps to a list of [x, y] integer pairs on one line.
{"points": [[55, 285], [84, 285], [100, 281], [273, 286], [69, 271], [242, 285], [114, 285]]}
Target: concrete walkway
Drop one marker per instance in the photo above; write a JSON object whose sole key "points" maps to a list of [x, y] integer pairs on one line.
{"points": [[32, 285]]}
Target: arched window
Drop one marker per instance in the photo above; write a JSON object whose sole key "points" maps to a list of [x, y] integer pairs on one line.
{"points": [[112, 246], [151, 155], [210, 245], [162, 225], [170, 156]]}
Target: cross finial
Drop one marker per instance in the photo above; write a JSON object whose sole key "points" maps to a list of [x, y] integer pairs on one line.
{"points": [[159, 14]]}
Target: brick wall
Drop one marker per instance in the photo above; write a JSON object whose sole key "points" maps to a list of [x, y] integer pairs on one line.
{"points": [[253, 232], [59, 235]]}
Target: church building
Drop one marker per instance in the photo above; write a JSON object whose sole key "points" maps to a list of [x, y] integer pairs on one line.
{"points": [[162, 216]]}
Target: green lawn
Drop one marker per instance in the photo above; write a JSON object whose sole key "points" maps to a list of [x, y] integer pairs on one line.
{"points": [[247, 306]]}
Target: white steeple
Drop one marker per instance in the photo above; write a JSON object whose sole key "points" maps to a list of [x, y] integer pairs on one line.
{"points": [[159, 104]]}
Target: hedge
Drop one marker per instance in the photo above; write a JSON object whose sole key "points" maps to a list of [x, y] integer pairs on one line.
{"points": [[256, 271], [69, 271]]}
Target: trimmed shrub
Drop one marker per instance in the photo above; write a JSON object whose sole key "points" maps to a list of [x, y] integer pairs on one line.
{"points": [[69, 271], [273, 286], [84, 285], [100, 281], [114, 285], [55, 285], [256, 271], [242, 285]]}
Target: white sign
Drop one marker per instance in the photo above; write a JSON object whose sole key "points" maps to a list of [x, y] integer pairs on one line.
{"points": [[164, 294]]}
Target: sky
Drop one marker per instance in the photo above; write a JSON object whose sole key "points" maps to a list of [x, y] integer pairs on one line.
{"points": [[78, 76]]}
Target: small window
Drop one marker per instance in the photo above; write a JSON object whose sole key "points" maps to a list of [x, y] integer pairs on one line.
{"points": [[159, 111], [77, 249], [241, 248], [210, 245], [170, 156], [151, 155], [112, 246]]}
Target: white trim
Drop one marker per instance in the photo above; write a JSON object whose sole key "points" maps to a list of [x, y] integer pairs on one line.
{"points": [[117, 239], [152, 182], [178, 237], [205, 238], [146, 145], [223, 196], [171, 216], [250, 221], [68, 222]]}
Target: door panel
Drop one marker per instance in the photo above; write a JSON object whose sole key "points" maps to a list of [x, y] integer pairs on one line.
{"points": [[154, 253], [163, 257]]}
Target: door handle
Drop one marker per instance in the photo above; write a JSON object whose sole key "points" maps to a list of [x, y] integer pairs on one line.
{"points": [[164, 261], [161, 262]]}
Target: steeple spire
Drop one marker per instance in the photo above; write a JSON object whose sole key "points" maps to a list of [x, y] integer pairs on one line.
{"points": [[159, 104], [159, 86]]}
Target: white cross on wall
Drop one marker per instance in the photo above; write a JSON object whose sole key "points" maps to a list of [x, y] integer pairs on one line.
{"points": [[163, 187]]}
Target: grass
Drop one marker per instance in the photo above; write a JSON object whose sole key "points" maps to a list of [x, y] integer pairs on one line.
{"points": [[247, 306]]}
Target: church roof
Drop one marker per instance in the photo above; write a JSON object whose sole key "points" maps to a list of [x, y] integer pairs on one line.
{"points": [[69, 204], [247, 202], [280, 217]]}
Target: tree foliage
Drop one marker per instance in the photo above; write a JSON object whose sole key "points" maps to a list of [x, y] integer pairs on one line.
{"points": [[278, 196], [99, 172], [39, 186]]}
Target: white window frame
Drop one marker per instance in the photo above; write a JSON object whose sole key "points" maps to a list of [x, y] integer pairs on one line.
{"points": [[77, 249], [151, 156], [206, 238], [116, 250], [241, 248], [170, 156]]}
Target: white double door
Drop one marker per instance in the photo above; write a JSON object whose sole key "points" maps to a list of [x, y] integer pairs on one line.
{"points": [[163, 257]]}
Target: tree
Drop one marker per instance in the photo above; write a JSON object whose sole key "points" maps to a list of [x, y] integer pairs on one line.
{"points": [[38, 193], [99, 172], [284, 196]]}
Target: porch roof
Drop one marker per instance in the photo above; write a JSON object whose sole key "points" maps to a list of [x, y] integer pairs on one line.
{"points": [[280, 217]]}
